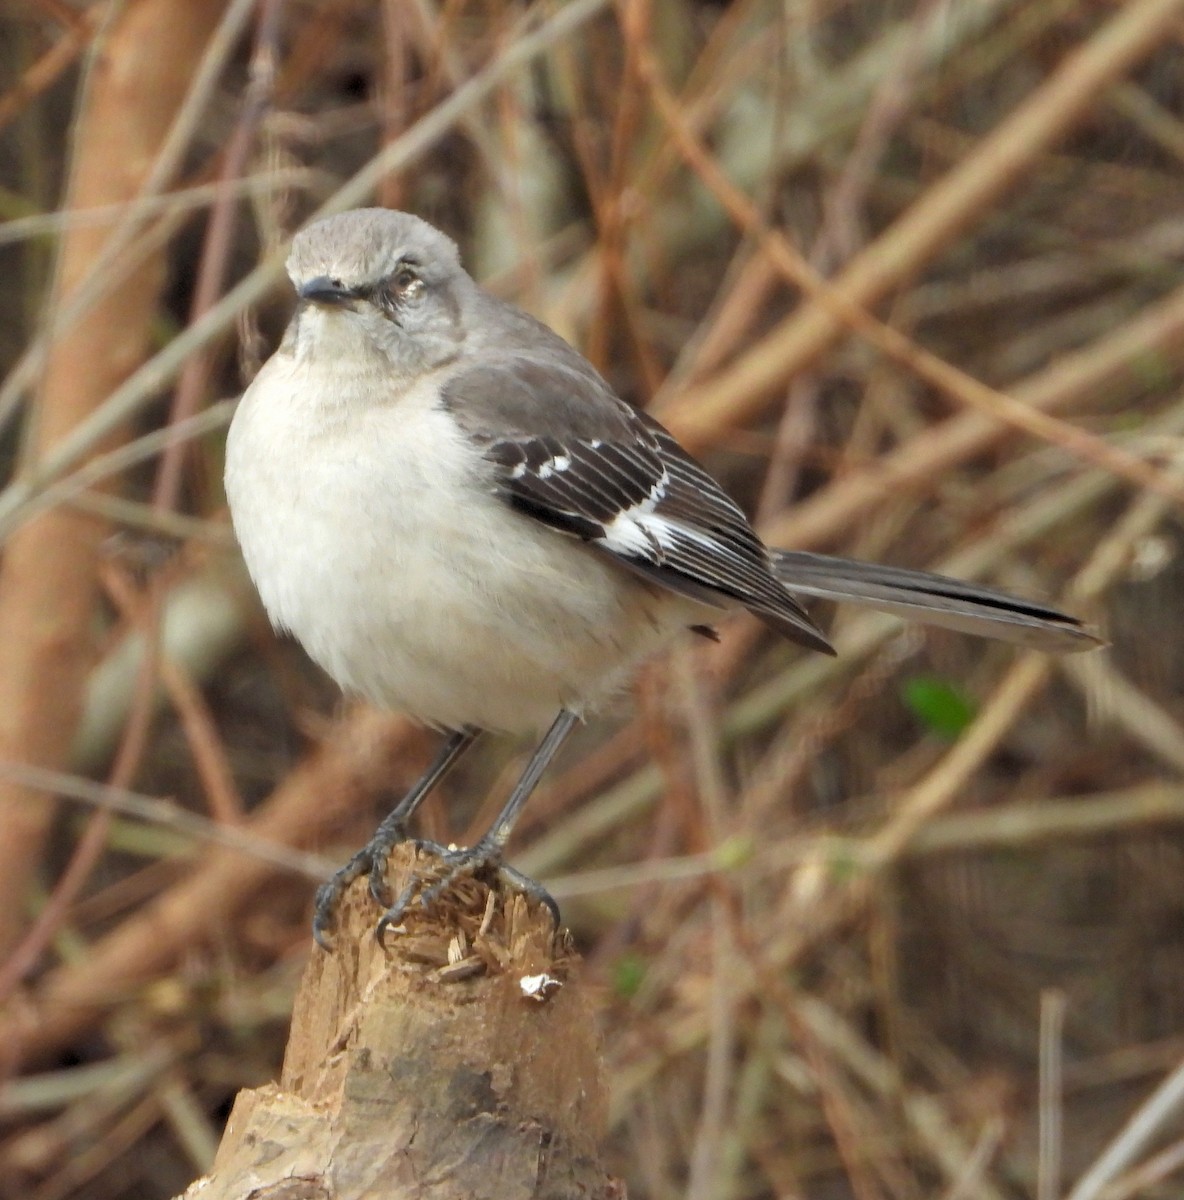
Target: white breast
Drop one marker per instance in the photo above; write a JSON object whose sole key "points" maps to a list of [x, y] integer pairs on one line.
{"points": [[372, 535]]}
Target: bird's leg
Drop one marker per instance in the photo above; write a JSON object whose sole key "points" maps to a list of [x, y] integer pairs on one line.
{"points": [[486, 854], [372, 857]]}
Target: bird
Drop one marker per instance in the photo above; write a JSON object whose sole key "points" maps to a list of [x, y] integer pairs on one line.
{"points": [[459, 519]]}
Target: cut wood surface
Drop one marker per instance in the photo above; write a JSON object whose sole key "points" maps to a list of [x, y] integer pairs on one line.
{"points": [[460, 1059]]}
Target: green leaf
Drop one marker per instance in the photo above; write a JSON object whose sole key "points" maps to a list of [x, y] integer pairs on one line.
{"points": [[940, 706], [628, 974]]}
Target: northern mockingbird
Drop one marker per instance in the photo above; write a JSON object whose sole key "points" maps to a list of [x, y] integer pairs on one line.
{"points": [[457, 517]]}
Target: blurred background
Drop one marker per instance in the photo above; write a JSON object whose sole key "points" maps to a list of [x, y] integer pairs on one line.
{"points": [[907, 923]]}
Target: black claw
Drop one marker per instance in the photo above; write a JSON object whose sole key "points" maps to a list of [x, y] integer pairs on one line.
{"points": [[379, 892], [393, 915], [322, 916], [530, 888]]}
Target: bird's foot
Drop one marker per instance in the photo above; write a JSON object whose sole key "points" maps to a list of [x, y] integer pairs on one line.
{"points": [[371, 860], [455, 864]]}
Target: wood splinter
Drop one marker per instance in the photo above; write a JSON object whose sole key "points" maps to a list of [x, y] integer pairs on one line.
{"points": [[460, 1060]]}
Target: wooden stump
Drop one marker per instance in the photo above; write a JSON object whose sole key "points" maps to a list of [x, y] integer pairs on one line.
{"points": [[458, 1062]]}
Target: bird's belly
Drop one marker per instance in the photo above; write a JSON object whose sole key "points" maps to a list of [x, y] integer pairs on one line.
{"points": [[464, 630], [441, 602]]}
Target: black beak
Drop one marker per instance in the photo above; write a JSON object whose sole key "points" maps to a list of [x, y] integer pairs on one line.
{"points": [[328, 291]]}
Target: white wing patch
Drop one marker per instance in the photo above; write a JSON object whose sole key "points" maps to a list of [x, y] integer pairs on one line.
{"points": [[642, 531], [543, 470], [553, 466], [637, 531]]}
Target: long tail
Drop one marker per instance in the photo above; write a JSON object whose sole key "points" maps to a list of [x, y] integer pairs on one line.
{"points": [[933, 600]]}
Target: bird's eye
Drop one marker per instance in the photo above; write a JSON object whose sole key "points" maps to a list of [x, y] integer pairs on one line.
{"points": [[405, 284]]}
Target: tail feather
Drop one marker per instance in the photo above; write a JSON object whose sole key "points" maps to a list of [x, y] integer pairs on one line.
{"points": [[933, 600]]}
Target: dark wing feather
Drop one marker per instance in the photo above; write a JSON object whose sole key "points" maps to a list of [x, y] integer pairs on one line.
{"points": [[570, 454]]}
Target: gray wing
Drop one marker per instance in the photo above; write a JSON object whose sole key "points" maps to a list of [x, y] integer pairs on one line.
{"points": [[568, 453]]}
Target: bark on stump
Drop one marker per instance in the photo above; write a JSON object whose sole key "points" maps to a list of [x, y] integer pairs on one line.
{"points": [[460, 1062]]}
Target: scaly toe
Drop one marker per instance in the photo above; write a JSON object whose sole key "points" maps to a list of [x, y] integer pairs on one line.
{"points": [[420, 883], [429, 883], [328, 897], [481, 860]]}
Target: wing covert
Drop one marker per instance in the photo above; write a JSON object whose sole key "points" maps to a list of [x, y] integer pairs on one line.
{"points": [[596, 469]]}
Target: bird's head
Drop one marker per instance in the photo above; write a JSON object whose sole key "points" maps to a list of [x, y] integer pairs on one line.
{"points": [[381, 282]]}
